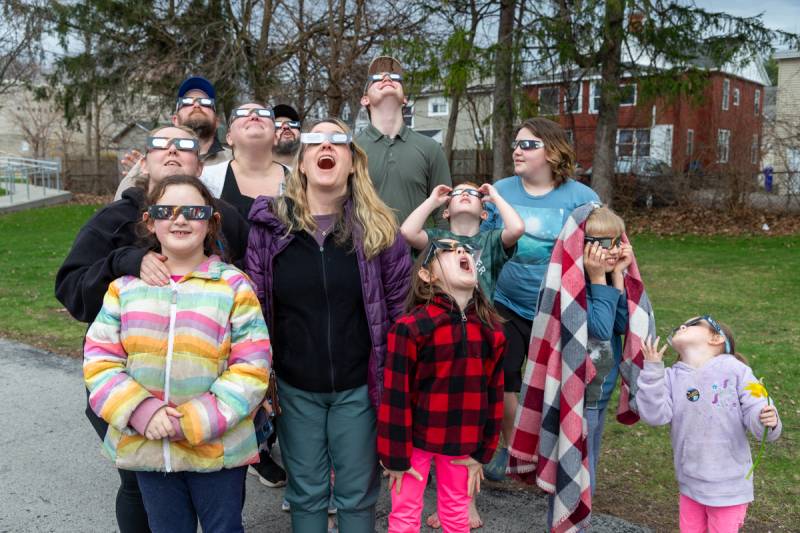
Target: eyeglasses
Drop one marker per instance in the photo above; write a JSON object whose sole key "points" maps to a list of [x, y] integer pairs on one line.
{"points": [[190, 100], [319, 137], [711, 322], [189, 212], [241, 112], [180, 143], [380, 75], [472, 192], [605, 242], [527, 144], [450, 246], [294, 124]]}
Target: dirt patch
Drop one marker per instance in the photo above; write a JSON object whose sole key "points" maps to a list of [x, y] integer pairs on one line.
{"points": [[703, 221]]}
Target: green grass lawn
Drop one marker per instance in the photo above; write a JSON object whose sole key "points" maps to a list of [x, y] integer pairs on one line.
{"points": [[751, 283]]}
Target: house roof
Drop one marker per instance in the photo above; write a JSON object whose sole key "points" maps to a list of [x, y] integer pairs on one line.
{"points": [[787, 54], [751, 70], [129, 126]]}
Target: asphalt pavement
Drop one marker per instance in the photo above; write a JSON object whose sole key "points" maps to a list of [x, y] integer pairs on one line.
{"points": [[54, 478]]}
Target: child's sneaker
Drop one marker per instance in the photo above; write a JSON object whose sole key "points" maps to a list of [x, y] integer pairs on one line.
{"points": [[496, 469], [285, 506]]}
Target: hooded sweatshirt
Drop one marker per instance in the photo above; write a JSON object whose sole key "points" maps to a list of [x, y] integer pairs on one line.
{"points": [[710, 412]]}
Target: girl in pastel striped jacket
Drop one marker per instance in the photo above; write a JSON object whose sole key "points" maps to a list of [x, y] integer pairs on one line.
{"points": [[179, 370]]}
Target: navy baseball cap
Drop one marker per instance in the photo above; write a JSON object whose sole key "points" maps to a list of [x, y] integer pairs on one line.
{"points": [[199, 83]]}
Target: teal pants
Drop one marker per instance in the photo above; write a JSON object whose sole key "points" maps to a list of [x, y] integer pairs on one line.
{"points": [[318, 431]]}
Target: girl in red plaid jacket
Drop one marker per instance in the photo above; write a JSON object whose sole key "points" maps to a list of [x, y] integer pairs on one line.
{"points": [[443, 389]]}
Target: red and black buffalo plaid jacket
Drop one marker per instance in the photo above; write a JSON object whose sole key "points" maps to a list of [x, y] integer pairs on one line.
{"points": [[443, 385]]}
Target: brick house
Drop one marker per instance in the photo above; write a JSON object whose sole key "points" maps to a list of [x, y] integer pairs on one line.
{"points": [[721, 131]]}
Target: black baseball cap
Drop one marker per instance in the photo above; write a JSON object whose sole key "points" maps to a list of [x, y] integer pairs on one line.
{"points": [[199, 83], [285, 110]]}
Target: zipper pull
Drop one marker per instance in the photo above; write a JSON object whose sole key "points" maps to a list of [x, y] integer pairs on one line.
{"points": [[174, 296], [463, 316]]}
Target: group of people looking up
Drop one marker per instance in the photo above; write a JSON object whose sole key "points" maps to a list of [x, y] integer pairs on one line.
{"points": [[286, 259]]}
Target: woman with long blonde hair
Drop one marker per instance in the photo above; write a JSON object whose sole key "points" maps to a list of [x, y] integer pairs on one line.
{"points": [[332, 274]]}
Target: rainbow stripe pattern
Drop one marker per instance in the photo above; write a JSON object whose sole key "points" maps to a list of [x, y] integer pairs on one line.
{"points": [[215, 374]]}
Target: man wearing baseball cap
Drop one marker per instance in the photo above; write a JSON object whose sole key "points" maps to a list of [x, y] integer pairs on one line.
{"points": [[404, 165], [195, 108], [287, 134]]}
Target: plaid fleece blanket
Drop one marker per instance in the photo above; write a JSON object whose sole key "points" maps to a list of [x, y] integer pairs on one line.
{"points": [[548, 445]]}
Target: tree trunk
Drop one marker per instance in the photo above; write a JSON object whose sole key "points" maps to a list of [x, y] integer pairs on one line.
{"points": [[608, 115], [503, 113], [452, 122]]}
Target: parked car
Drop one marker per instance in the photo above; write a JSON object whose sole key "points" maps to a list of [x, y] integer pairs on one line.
{"points": [[650, 181]]}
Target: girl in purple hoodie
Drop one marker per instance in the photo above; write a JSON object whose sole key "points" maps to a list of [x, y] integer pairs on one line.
{"points": [[709, 397]]}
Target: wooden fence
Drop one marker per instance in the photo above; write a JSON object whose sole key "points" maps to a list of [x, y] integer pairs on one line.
{"points": [[83, 175]]}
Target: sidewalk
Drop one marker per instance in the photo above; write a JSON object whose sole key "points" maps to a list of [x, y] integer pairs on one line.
{"points": [[55, 478], [29, 196]]}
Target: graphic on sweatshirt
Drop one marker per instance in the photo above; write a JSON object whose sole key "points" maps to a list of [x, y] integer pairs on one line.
{"points": [[693, 394], [725, 396]]}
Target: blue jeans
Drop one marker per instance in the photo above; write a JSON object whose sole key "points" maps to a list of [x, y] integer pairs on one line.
{"points": [[595, 422], [176, 500]]}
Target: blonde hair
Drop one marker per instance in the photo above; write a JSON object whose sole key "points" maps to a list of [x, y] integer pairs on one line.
{"points": [[376, 221], [143, 180], [558, 151], [190, 131], [603, 222]]}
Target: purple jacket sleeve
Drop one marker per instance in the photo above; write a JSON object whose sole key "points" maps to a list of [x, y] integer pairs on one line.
{"points": [[396, 276], [254, 266]]}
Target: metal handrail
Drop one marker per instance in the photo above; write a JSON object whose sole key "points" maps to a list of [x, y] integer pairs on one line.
{"points": [[43, 174]]}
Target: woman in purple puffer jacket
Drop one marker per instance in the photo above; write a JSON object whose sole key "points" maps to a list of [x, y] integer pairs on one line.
{"points": [[332, 274]]}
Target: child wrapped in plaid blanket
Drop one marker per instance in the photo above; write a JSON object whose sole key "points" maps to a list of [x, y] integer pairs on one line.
{"points": [[549, 443]]}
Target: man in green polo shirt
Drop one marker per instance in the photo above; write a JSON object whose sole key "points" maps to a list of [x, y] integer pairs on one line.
{"points": [[404, 165]]}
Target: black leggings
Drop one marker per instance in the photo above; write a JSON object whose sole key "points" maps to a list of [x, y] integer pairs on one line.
{"points": [[131, 515]]}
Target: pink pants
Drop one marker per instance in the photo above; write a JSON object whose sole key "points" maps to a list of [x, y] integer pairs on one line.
{"points": [[698, 518], [451, 495]]}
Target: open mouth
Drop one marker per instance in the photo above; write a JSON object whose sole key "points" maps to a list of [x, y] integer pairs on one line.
{"points": [[465, 264], [326, 162], [181, 234]]}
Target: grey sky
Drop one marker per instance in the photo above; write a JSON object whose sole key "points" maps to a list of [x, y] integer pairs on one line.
{"points": [[777, 14]]}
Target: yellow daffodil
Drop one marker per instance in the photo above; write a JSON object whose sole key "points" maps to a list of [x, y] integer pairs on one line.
{"points": [[757, 389]]}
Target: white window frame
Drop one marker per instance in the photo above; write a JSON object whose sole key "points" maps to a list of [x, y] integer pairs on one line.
{"points": [[579, 108], [754, 150], [736, 96], [723, 145], [689, 142], [757, 102], [635, 150], [412, 111], [438, 102], [726, 94], [594, 97], [635, 94], [558, 93]]}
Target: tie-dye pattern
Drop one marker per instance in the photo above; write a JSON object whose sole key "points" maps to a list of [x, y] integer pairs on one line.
{"points": [[218, 375]]}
